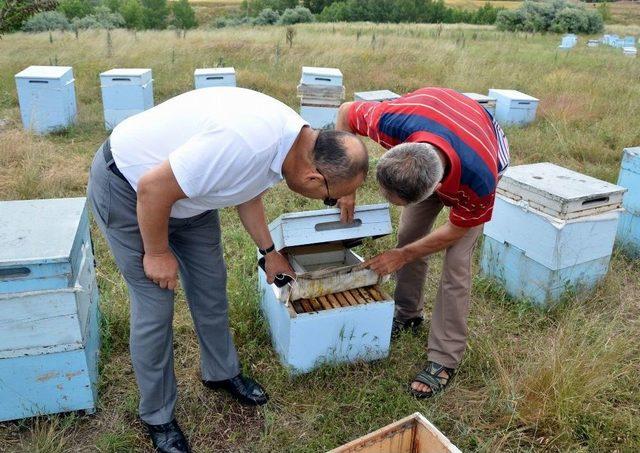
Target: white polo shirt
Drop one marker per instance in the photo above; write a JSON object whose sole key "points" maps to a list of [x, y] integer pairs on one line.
{"points": [[225, 145]]}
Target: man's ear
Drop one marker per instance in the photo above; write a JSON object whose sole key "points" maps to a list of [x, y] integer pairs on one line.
{"points": [[312, 174]]}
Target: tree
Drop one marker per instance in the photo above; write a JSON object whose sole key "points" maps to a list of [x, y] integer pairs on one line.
{"points": [[155, 13], [75, 8], [13, 13], [184, 17], [133, 14]]}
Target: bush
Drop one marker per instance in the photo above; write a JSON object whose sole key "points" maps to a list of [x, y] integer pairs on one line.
{"points": [[558, 16], [255, 7], [184, 17], [47, 21], [102, 18], [221, 22], [133, 14], [267, 17], [75, 8], [297, 15]]}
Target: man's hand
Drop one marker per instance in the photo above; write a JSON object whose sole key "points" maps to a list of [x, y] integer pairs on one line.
{"points": [[161, 269], [388, 262], [276, 263], [347, 205]]}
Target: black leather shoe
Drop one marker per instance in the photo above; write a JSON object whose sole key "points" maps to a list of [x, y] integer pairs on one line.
{"points": [[244, 389], [411, 324], [168, 438]]}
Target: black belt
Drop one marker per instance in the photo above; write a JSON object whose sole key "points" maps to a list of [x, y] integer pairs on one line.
{"points": [[108, 158]]}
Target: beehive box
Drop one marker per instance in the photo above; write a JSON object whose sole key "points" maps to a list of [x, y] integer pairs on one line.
{"points": [[629, 41], [214, 77], [552, 230], [375, 96], [514, 107], [630, 51], [125, 92], [47, 98], [568, 42], [49, 340], [321, 92], [335, 311], [487, 102], [412, 434], [629, 226], [593, 43]]}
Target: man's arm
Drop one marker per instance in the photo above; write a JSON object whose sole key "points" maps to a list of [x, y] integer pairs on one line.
{"points": [[342, 122], [439, 239], [158, 190], [255, 222], [347, 204]]}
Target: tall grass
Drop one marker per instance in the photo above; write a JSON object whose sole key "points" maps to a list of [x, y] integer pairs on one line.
{"points": [[562, 380]]}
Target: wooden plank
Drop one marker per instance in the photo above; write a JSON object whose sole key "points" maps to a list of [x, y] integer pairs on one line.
{"points": [[325, 303], [365, 294], [333, 301], [297, 306], [382, 292], [350, 298], [357, 296], [306, 306], [316, 305], [343, 300], [291, 310]]}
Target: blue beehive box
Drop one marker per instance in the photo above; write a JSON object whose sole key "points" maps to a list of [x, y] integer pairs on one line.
{"points": [[49, 340], [629, 41], [125, 92], [334, 312], [629, 226], [214, 77], [552, 230], [568, 41], [321, 92], [514, 108], [47, 98]]}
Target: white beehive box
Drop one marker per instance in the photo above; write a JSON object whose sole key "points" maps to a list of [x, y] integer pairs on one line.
{"points": [[49, 340], [335, 311], [514, 107], [593, 43], [47, 98], [487, 102], [552, 229], [214, 77], [125, 92], [375, 96], [630, 51], [629, 227], [321, 76], [568, 42], [321, 92]]}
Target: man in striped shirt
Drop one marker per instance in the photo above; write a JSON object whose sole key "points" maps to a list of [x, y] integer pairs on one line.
{"points": [[444, 150]]}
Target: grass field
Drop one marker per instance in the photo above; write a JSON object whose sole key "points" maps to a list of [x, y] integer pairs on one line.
{"points": [[563, 380]]}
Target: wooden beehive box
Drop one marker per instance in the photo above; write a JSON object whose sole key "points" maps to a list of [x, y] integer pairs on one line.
{"points": [[125, 92], [214, 77], [321, 92], [335, 311], [49, 339], [47, 98], [552, 229], [513, 107], [412, 434], [629, 226], [375, 96]]}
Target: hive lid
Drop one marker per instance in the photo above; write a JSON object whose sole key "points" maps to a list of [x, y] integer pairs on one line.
{"points": [[631, 159], [512, 94], [480, 97], [43, 72], [559, 192], [137, 73], [377, 95], [327, 72], [324, 226], [208, 71], [38, 231]]}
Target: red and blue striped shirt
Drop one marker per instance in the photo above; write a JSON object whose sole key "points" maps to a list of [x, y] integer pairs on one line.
{"points": [[461, 128]]}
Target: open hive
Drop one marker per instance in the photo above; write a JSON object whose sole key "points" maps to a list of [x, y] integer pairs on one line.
{"points": [[349, 298]]}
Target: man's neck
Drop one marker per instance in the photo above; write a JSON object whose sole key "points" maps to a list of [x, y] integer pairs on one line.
{"points": [[298, 157]]}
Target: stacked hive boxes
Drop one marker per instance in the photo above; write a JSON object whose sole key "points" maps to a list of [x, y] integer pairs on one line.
{"points": [[321, 92], [214, 77], [552, 229], [375, 96], [487, 102], [630, 51], [125, 92], [49, 340], [47, 98], [514, 107], [629, 227], [335, 311]]}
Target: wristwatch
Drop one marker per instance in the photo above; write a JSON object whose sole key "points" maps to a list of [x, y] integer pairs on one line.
{"points": [[267, 250]]}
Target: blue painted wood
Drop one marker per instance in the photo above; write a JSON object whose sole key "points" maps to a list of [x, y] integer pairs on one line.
{"points": [[523, 277], [629, 41], [568, 41], [513, 107], [338, 335], [214, 77], [47, 98], [629, 234], [125, 92], [319, 117], [45, 254], [629, 226]]}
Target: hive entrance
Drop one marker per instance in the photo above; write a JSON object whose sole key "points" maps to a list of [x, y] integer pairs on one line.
{"points": [[350, 298]]}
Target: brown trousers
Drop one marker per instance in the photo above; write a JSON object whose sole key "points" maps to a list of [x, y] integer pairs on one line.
{"points": [[448, 331]]}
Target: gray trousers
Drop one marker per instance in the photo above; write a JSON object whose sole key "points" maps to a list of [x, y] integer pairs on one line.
{"points": [[196, 244]]}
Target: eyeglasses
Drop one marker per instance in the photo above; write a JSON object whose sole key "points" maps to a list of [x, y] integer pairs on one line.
{"points": [[327, 201]]}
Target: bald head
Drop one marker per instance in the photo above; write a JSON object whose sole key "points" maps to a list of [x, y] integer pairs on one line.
{"points": [[340, 156]]}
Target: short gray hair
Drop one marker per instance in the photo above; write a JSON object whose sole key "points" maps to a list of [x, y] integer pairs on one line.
{"points": [[411, 171]]}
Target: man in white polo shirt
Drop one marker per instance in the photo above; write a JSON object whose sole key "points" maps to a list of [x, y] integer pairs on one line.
{"points": [[155, 188]]}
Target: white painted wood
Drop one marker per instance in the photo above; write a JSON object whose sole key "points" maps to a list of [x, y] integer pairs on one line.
{"points": [[560, 192], [126, 76], [321, 76], [211, 77], [375, 96]]}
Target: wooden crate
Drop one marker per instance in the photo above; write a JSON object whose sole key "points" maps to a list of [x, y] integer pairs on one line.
{"points": [[412, 434], [47, 98], [125, 92]]}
